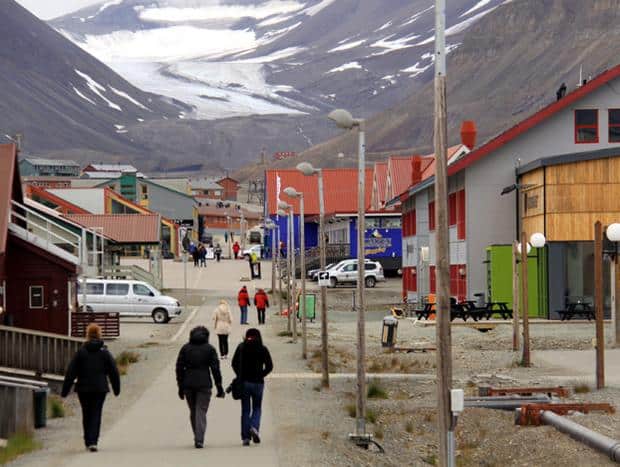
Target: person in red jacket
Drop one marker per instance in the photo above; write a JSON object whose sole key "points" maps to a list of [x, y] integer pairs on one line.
{"points": [[243, 299], [261, 301], [236, 249]]}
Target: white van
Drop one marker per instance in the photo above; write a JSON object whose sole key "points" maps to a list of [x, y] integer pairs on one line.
{"points": [[129, 298]]}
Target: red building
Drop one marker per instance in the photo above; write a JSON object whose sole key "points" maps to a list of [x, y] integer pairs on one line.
{"points": [[37, 278], [231, 188]]}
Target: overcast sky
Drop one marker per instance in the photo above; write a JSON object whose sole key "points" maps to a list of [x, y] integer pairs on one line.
{"points": [[47, 9]]}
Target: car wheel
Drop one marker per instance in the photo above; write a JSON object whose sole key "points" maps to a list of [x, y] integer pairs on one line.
{"points": [[333, 282], [160, 316], [370, 282]]}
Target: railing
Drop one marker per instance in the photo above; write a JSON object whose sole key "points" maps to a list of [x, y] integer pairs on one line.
{"points": [[333, 253], [38, 229], [35, 351], [132, 272], [109, 323]]}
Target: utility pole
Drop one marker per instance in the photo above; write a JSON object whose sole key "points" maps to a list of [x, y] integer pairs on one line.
{"points": [[302, 305], [599, 305], [444, 345], [288, 275], [525, 360], [323, 263], [293, 314], [515, 298]]}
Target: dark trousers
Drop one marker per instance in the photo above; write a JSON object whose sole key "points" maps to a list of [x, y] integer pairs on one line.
{"points": [[218, 255], [92, 406], [261, 315], [251, 407], [198, 403], [223, 341], [244, 314]]}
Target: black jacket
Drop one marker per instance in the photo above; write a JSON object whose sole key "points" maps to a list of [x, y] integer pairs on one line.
{"points": [[197, 361], [92, 365], [252, 361]]}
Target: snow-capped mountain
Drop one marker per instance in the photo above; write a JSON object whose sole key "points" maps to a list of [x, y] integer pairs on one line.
{"points": [[243, 57]]}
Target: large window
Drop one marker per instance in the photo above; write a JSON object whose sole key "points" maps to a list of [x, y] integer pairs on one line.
{"points": [[117, 289], [142, 290], [35, 293], [586, 126], [614, 125]]}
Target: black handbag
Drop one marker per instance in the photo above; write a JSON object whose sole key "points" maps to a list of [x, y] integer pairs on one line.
{"points": [[236, 389]]}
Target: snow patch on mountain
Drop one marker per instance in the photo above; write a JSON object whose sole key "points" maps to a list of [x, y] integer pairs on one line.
{"points": [[87, 99], [313, 10], [98, 89], [124, 95], [345, 67], [476, 7], [350, 45]]}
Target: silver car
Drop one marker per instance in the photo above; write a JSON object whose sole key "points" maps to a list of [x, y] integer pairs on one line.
{"points": [[345, 272]]}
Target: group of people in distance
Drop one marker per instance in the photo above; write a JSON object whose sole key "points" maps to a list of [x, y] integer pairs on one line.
{"points": [[199, 254], [93, 369]]}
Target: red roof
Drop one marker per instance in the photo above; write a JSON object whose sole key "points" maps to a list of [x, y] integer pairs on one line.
{"points": [[42, 195], [428, 168], [380, 177], [399, 171], [122, 228], [10, 188], [534, 120], [340, 188]]}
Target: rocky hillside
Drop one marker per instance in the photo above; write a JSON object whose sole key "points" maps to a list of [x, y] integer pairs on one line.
{"points": [[63, 100]]}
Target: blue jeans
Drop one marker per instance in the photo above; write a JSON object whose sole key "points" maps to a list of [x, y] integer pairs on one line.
{"points": [[244, 314], [251, 403]]}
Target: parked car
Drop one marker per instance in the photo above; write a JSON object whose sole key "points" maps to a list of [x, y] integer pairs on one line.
{"points": [[129, 298], [313, 274], [345, 272], [255, 237], [253, 249]]}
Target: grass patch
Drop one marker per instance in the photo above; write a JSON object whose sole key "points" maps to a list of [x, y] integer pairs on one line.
{"points": [[16, 446], [55, 407], [409, 427], [371, 415], [379, 432], [431, 459], [351, 410], [581, 388], [376, 391], [325, 435], [127, 357]]}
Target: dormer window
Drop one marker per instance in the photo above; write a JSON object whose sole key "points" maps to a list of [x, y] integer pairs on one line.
{"points": [[586, 126]]}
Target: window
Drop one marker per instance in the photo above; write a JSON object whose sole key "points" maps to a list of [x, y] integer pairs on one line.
{"points": [[431, 216], [391, 223], [460, 215], [94, 289], [145, 191], [36, 296], [373, 222], [452, 209], [370, 266], [586, 126], [117, 289], [614, 125], [142, 290]]}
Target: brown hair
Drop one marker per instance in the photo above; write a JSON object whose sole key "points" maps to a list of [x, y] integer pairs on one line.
{"points": [[93, 332]]}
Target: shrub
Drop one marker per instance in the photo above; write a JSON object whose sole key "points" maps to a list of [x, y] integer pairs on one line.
{"points": [[371, 415], [376, 391], [17, 445], [55, 407], [351, 410], [379, 432], [581, 388], [409, 427], [127, 357]]}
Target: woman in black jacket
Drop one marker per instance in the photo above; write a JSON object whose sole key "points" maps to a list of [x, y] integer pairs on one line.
{"points": [[251, 363], [92, 366]]}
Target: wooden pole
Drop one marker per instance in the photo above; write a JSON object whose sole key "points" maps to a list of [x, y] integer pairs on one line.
{"points": [[443, 331], [525, 359], [599, 305], [515, 297], [323, 261]]}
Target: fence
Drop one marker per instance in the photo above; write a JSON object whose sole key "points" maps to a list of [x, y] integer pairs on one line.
{"points": [[109, 323], [36, 351], [16, 409]]}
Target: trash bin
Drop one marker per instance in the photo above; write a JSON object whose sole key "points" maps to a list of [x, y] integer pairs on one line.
{"points": [[40, 407], [388, 336]]}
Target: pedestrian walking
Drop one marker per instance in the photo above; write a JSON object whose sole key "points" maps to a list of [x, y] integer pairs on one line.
{"points": [[251, 364], [92, 366], [261, 301], [236, 249], [196, 364], [193, 249], [218, 252], [243, 299], [222, 324], [202, 254]]}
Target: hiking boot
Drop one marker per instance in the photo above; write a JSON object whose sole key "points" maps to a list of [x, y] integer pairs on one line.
{"points": [[255, 436], [93, 448], [246, 442], [198, 445]]}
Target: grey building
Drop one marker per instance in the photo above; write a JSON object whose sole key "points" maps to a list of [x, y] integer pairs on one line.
{"points": [[38, 167]]}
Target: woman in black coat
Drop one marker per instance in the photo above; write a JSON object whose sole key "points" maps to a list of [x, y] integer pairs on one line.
{"points": [[92, 366]]}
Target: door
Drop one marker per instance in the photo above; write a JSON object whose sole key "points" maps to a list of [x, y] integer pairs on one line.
{"points": [[350, 273], [35, 311], [117, 298], [143, 300]]}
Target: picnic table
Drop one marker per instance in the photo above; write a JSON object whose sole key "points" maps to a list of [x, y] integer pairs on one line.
{"points": [[577, 309], [457, 310], [500, 308]]}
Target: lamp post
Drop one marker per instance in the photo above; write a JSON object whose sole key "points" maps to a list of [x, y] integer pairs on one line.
{"points": [[345, 120], [613, 234], [272, 228], [290, 254], [280, 213], [537, 240], [307, 169], [293, 193]]}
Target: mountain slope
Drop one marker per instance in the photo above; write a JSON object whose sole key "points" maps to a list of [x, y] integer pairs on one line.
{"points": [[62, 99], [510, 64]]}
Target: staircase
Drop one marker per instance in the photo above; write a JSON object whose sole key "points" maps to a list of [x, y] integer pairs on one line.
{"points": [[334, 253], [132, 272]]}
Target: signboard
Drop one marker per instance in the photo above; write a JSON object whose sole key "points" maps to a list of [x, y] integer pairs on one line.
{"points": [[323, 279]]}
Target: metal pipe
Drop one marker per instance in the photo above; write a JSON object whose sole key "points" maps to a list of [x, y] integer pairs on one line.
{"points": [[608, 446]]}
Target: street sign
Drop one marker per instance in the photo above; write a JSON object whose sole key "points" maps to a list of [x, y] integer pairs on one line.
{"points": [[323, 278]]}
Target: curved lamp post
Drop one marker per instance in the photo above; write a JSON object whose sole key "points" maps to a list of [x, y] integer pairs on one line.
{"points": [[293, 193], [308, 170], [290, 260], [271, 226], [343, 119]]}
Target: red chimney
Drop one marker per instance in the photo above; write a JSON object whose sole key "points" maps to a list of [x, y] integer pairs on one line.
{"points": [[469, 133], [416, 170]]}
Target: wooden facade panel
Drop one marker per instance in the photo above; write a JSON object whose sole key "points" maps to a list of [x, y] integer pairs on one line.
{"points": [[534, 224], [596, 171], [534, 202], [535, 177], [576, 226], [583, 198]]}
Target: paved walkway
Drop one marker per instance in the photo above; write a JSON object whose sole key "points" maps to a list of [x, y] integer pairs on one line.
{"points": [[155, 431], [581, 361]]}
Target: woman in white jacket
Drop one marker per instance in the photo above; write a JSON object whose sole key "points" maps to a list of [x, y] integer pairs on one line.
{"points": [[222, 323]]}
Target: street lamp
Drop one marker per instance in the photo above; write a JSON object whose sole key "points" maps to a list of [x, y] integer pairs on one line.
{"points": [[613, 234], [293, 193], [271, 226], [280, 213], [290, 255], [537, 240], [307, 169], [343, 119]]}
